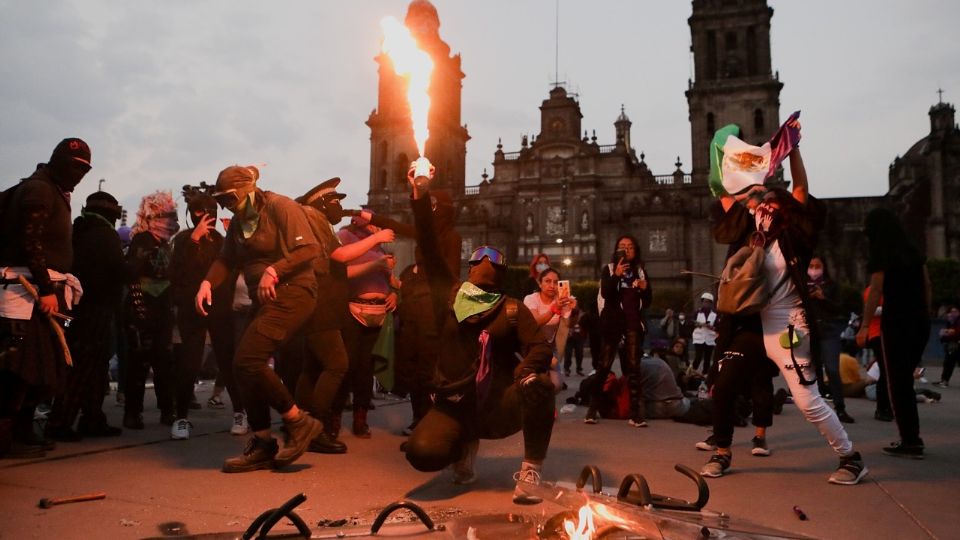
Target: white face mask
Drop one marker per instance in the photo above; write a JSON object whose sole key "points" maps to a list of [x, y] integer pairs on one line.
{"points": [[682, 318], [815, 273], [541, 267]]}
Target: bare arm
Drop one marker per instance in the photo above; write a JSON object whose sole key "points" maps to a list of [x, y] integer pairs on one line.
{"points": [[354, 270], [349, 252], [873, 298], [799, 173]]}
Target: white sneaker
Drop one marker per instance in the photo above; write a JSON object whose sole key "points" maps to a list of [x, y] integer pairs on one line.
{"points": [[240, 426], [180, 430]]}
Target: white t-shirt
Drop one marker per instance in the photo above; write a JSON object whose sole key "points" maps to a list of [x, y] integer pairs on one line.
{"points": [[539, 309], [702, 334], [775, 266]]}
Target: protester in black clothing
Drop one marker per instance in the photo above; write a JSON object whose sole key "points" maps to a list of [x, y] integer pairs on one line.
{"points": [[35, 243], [626, 292], [149, 310], [99, 266], [270, 241], [194, 250], [416, 337], [482, 390], [898, 271]]}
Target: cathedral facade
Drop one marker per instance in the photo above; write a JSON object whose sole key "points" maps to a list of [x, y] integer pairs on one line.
{"points": [[568, 194]]}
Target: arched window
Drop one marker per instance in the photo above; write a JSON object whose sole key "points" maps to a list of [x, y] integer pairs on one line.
{"points": [[758, 121], [382, 179], [382, 154]]}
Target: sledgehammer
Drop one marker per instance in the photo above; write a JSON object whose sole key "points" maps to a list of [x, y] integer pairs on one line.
{"points": [[49, 503]]}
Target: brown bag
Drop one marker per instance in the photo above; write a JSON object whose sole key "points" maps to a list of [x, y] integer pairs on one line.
{"points": [[743, 288]]}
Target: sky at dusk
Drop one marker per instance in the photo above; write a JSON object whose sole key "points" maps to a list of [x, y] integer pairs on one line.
{"points": [[169, 93]]}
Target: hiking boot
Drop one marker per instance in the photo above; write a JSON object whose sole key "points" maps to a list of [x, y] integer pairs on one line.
{"points": [[526, 477], [592, 416], [299, 433], [240, 425], [258, 454], [760, 447], [707, 445], [637, 422], [325, 443], [845, 418], [718, 464], [463, 473], [850, 471], [909, 451], [133, 421], [360, 427], [180, 430]]}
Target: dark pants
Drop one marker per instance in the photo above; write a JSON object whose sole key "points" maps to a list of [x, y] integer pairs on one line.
{"points": [[415, 362], [439, 438], [883, 396], [629, 365], [324, 367], [950, 358], [573, 349], [149, 343], [702, 353], [359, 341], [903, 343], [743, 368], [193, 333], [272, 324], [86, 383]]}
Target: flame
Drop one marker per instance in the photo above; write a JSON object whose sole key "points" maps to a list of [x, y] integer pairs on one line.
{"points": [[584, 528], [416, 66]]}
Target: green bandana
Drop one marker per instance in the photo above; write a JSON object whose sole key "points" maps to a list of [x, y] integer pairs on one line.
{"points": [[94, 215], [471, 300], [247, 216]]}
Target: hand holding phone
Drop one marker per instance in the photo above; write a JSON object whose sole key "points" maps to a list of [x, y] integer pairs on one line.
{"points": [[563, 288]]}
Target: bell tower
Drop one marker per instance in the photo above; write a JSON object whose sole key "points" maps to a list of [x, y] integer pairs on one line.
{"points": [[733, 80], [392, 146]]}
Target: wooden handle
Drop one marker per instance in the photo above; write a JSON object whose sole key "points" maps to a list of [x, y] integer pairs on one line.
{"points": [[54, 325]]}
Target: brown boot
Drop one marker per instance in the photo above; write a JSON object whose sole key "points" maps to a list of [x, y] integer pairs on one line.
{"points": [[360, 427], [299, 434], [258, 454]]}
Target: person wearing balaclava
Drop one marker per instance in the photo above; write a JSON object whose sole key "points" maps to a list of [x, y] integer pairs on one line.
{"points": [[270, 241], [786, 225], [492, 373], [35, 243], [321, 346], [99, 265], [416, 337], [194, 250], [148, 313]]}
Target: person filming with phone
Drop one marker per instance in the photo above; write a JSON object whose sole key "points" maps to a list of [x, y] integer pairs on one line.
{"points": [[551, 307], [625, 292]]}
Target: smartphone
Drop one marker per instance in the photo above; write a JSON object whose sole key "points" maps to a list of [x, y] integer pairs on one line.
{"points": [[563, 288], [619, 254]]}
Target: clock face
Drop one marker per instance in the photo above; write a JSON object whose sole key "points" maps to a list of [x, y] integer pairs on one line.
{"points": [[557, 125]]}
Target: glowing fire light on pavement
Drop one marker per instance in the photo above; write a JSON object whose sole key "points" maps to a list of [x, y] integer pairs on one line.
{"points": [[416, 66]]}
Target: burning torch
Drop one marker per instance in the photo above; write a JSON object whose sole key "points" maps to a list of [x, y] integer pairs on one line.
{"points": [[416, 67]]}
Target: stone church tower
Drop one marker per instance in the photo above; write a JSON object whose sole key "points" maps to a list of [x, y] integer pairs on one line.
{"points": [[733, 82], [392, 146]]}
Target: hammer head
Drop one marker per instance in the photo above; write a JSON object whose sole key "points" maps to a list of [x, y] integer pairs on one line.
{"points": [[45, 503]]}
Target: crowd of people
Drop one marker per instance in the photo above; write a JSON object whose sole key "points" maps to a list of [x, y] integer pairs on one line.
{"points": [[296, 313]]}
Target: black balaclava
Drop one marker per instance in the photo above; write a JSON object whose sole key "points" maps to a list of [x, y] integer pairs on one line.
{"points": [[104, 205], [200, 204], [487, 276], [69, 163], [331, 208]]}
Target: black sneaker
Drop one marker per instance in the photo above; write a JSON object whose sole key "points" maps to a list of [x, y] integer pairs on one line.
{"points": [[592, 416], [258, 454], [760, 448], [718, 464], [707, 445], [845, 418], [909, 451], [299, 433], [850, 471]]}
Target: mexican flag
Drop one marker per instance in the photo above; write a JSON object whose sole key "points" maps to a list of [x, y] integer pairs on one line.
{"points": [[736, 166]]}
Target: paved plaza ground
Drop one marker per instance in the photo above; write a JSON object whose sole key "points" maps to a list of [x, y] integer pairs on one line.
{"points": [[152, 481]]}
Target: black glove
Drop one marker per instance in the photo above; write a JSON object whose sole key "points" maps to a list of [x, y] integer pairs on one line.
{"points": [[536, 387]]}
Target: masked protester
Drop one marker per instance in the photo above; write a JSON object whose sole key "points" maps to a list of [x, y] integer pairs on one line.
{"points": [[825, 309], [786, 225], [149, 309], [271, 242], [416, 338], [194, 250], [99, 265], [482, 390], [325, 359], [35, 243]]}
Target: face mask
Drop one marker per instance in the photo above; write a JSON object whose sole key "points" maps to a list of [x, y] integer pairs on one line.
{"points": [[766, 217], [682, 318], [815, 273], [540, 267], [484, 275]]}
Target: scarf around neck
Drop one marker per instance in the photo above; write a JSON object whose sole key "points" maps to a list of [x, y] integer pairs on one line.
{"points": [[472, 300]]}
